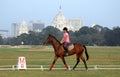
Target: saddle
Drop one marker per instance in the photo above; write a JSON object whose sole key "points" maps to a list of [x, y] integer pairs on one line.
{"points": [[69, 47]]}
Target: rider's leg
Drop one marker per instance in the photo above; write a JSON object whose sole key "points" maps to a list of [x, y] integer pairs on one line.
{"points": [[66, 48]]}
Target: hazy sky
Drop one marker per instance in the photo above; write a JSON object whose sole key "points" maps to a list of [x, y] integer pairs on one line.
{"points": [[102, 12]]}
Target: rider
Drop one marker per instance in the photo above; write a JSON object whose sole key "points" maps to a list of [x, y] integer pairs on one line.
{"points": [[65, 40]]}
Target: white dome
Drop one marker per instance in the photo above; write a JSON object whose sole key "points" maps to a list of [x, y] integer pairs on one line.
{"points": [[59, 21]]}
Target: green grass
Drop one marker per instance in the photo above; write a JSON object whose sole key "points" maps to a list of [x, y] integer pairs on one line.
{"points": [[44, 56], [60, 73]]}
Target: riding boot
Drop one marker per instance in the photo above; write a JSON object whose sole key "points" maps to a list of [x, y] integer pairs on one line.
{"points": [[66, 51]]}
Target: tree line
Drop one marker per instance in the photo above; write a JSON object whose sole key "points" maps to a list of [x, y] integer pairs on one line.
{"points": [[85, 35]]}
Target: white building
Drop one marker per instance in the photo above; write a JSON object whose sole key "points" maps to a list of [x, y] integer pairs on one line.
{"points": [[97, 27], [23, 28], [18, 29], [77, 23], [15, 29], [60, 22], [4, 33], [36, 26]]}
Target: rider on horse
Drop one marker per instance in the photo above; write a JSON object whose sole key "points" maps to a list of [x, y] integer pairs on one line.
{"points": [[65, 40]]}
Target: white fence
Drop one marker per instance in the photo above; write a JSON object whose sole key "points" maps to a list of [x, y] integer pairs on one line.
{"points": [[58, 67]]}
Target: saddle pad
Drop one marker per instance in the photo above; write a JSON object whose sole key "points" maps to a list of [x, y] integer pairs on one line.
{"points": [[70, 47]]}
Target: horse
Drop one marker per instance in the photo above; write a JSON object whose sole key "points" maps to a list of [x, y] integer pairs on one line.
{"points": [[78, 49]]}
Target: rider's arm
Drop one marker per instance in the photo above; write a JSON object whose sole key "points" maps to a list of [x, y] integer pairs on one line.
{"points": [[63, 39]]}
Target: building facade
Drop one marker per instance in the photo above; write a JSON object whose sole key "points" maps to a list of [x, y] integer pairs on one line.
{"points": [[23, 28], [4, 33], [60, 22], [18, 29], [36, 26], [77, 23], [15, 29]]}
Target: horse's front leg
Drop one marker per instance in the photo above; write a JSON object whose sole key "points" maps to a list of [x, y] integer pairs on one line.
{"points": [[63, 59], [52, 65]]}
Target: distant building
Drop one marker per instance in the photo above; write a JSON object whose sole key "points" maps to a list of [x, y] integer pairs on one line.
{"points": [[4, 33], [77, 23], [18, 29], [15, 29], [97, 27], [36, 26], [60, 22], [23, 28]]}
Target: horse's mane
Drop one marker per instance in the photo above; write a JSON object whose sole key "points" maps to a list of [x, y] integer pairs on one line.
{"points": [[54, 38]]}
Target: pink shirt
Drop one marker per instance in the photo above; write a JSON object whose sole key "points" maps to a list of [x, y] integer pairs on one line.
{"points": [[67, 37]]}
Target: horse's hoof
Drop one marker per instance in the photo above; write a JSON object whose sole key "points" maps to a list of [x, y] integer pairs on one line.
{"points": [[86, 69], [50, 69], [73, 70]]}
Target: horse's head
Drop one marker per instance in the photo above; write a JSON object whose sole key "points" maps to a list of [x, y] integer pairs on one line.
{"points": [[48, 40]]}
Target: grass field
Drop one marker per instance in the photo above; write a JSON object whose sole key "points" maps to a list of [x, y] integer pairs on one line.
{"points": [[43, 55]]}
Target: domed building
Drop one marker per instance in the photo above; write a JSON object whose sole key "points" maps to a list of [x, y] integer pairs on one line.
{"points": [[60, 22]]}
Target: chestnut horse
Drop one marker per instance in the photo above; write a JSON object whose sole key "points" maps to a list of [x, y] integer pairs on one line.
{"points": [[78, 49]]}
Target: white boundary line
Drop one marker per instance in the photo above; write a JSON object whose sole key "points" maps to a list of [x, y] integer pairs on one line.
{"points": [[45, 67]]}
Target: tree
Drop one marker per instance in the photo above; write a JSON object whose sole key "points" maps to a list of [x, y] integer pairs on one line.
{"points": [[85, 35], [53, 31], [1, 40], [112, 37], [116, 35]]}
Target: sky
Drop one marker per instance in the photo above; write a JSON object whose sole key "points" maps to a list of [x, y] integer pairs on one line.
{"points": [[103, 12]]}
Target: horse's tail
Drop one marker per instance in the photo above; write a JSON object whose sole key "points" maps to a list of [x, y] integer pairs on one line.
{"points": [[86, 53]]}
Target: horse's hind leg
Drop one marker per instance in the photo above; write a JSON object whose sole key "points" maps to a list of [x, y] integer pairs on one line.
{"points": [[83, 59], [78, 60]]}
